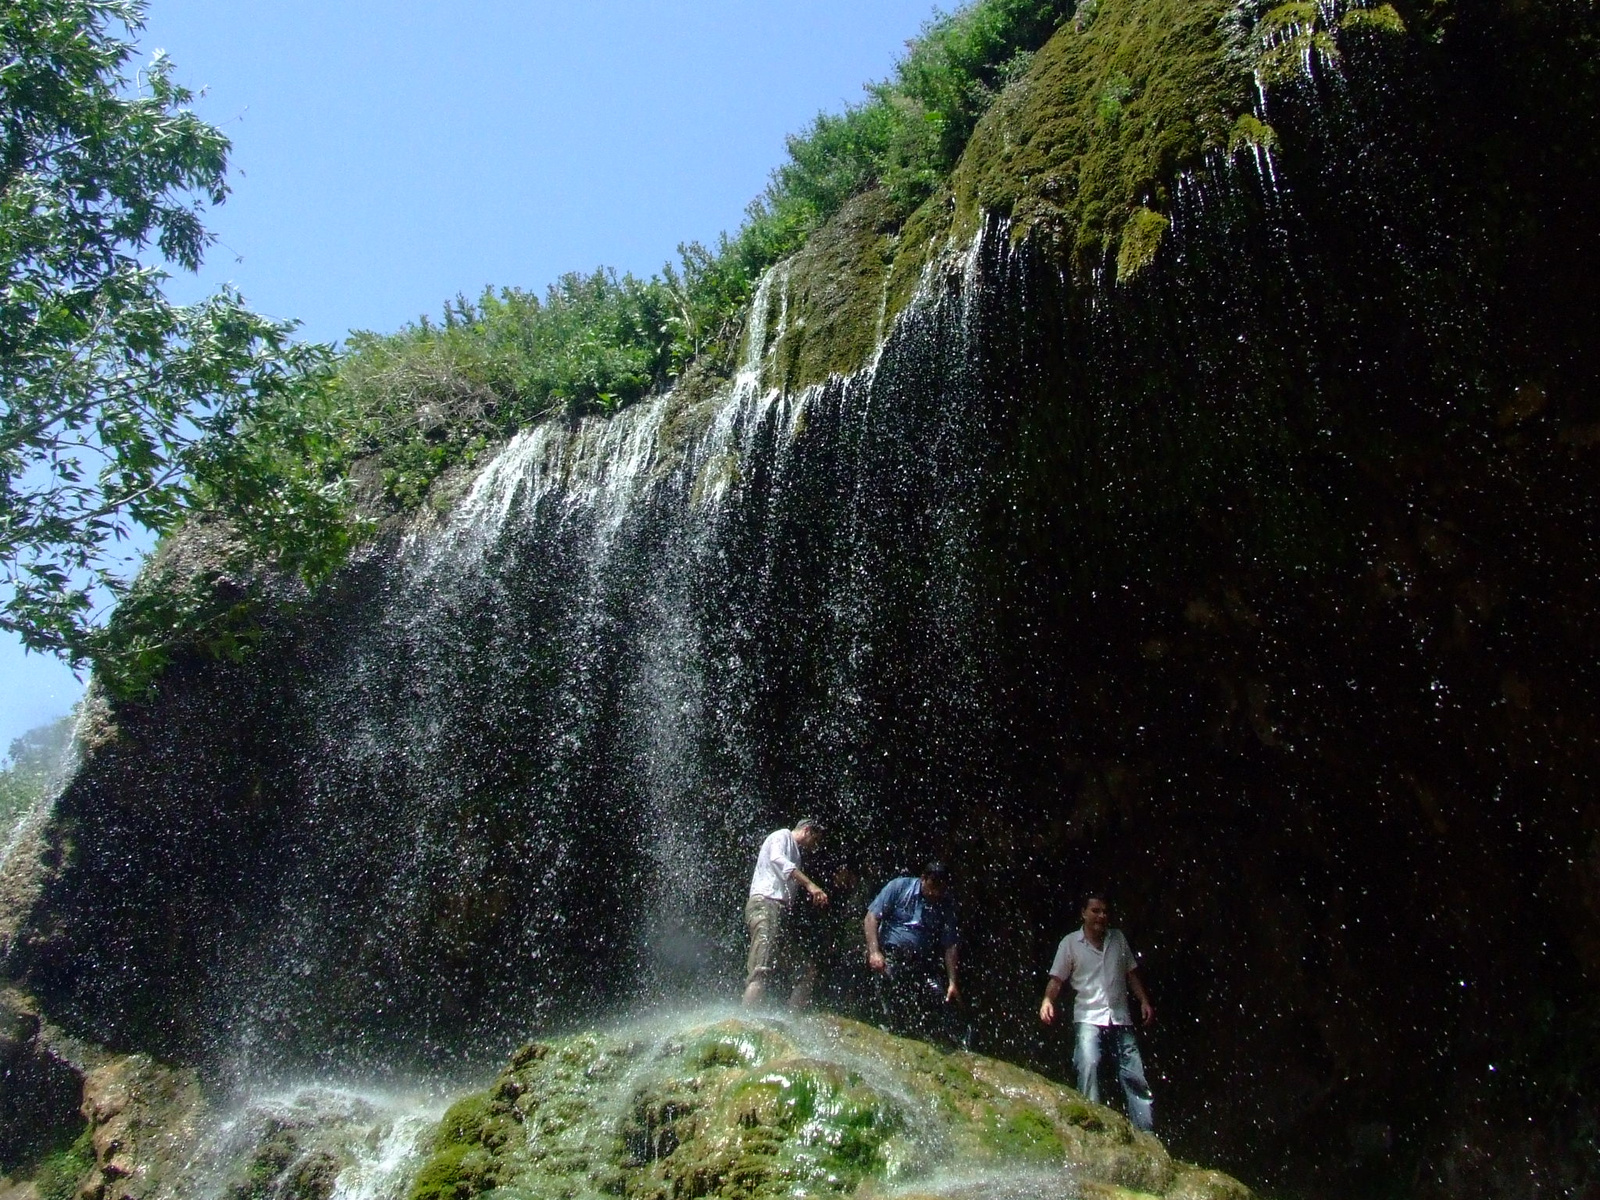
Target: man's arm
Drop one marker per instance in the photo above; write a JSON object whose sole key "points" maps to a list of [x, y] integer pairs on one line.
{"points": [[1147, 1011], [952, 993], [818, 896], [1047, 1006], [874, 954], [790, 869]]}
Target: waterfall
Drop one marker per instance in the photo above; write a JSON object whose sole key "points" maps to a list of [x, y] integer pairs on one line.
{"points": [[542, 736], [1251, 586]]}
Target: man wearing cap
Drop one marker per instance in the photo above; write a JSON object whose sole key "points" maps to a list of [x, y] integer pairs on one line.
{"points": [[913, 945], [1096, 962], [777, 879]]}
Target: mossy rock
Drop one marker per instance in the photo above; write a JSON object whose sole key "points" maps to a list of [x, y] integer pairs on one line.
{"points": [[1109, 115], [1081, 154], [834, 295], [751, 1109]]}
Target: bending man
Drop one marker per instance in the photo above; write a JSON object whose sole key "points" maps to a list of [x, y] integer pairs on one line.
{"points": [[1097, 962], [777, 879], [911, 934]]}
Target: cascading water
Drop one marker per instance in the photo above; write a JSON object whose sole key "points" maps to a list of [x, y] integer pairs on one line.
{"points": [[311, 1141], [532, 771]]}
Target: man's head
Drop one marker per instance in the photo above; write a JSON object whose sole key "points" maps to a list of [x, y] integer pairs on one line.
{"points": [[935, 880], [1096, 914], [807, 832]]}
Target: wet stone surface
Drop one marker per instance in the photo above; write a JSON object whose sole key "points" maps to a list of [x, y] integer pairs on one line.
{"points": [[812, 1107]]}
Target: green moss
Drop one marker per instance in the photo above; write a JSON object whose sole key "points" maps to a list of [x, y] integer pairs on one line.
{"points": [[465, 1120], [721, 473], [924, 233], [467, 1146], [1141, 238], [59, 1174], [1075, 1110], [1381, 20], [741, 1110], [834, 294], [1081, 153], [722, 1048], [1289, 39], [1251, 133], [1111, 112], [1024, 1133]]}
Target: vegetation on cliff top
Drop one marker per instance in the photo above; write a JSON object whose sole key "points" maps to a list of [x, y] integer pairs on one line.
{"points": [[436, 392], [124, 410], [1071, 119]]}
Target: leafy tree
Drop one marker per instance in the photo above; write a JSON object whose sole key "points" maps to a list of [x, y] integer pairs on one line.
{"points": [[122, 409], [35, 764]]}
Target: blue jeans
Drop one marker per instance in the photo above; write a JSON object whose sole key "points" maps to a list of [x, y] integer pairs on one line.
{"points": [[1130, 1068]]}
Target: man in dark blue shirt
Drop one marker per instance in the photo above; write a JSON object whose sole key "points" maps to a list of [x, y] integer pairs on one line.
{"points": [[912, 934]]}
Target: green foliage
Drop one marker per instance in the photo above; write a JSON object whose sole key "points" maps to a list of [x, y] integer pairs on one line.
{"points": [[129, 411], [437, 393], [434, 394], [34, 765], [123, 409], [906, 136], [59, 1174]]}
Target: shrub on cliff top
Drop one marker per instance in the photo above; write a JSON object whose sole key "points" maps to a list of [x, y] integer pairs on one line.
{"points": [[435, 392]]}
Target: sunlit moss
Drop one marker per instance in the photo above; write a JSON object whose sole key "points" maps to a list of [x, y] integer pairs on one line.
{"points": [[1383, 20], [834, 292], [740, 1110], [1291, 40], [1025, 1133], [1251, 133], [1141, 238], [1110, 114]]}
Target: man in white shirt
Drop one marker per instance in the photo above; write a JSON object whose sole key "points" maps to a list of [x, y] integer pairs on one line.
{"points": [[777, 879], [1101, 969]]}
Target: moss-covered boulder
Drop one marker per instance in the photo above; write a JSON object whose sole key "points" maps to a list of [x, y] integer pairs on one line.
{"points": [[766, 1108]]}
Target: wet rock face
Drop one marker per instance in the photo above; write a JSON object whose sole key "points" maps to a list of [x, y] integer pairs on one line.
{"points": [[39, 1089], [144, 1121], [823, 1107]]}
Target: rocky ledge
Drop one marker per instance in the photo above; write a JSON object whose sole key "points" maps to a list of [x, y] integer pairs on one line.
{"points": [[753, 1108], [724, 1107]]}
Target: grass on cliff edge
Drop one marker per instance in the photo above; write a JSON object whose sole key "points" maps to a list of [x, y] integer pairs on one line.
{"points": [[437, 392], [1071, 118]]}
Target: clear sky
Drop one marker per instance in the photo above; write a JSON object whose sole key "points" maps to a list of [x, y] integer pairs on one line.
{"points": [[387, 156]]}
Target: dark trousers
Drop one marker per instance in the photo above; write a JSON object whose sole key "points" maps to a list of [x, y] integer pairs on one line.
{"points": [[911, 997]]}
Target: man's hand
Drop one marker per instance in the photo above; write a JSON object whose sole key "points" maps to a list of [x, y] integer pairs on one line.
{"points": [[876, 961], [819, 897], [1147, 1012], [1047, 1011], [952, 994]]}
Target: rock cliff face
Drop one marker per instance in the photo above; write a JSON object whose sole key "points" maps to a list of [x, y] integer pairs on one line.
{"points": [[1195, 499]]}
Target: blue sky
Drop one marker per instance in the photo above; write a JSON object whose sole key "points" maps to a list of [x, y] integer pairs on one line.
{"points": [[387, 156]]}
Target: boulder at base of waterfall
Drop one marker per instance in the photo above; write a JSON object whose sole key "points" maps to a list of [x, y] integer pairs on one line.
{"points": [[753, 1108]]}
